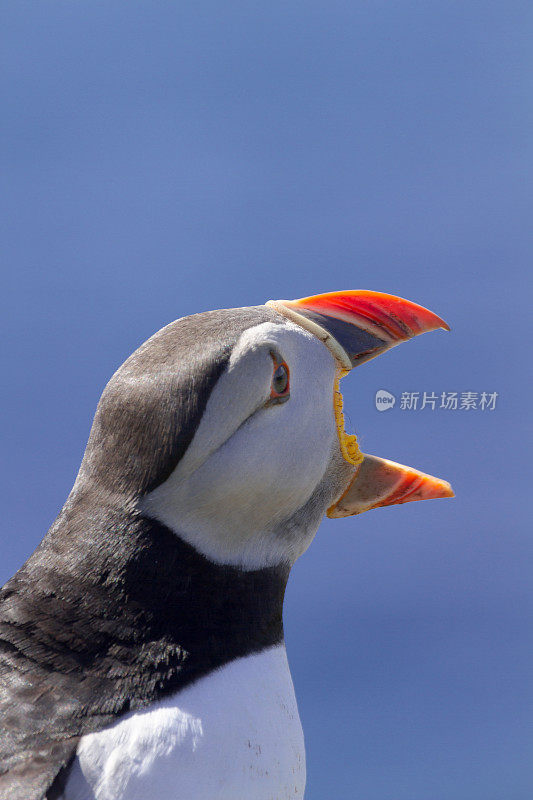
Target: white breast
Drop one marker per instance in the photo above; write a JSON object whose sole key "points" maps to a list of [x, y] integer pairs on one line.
{"points": [[233, 735]]}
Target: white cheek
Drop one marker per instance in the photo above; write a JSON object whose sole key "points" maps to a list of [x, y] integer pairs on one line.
{"points": [[231, 502], [267, 470]]}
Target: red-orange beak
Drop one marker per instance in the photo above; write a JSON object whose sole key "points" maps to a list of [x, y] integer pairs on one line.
{"points": [[357, 326]]}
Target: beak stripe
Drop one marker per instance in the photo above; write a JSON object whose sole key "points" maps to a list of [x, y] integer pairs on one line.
{"points": [[358, 342], [317, 330]]}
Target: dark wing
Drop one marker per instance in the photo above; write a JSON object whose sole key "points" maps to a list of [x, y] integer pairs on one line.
{"points": [[30, 757], [43, 709]]}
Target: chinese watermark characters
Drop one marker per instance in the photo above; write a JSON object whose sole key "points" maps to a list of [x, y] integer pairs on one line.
{"points": [[447, 401]]}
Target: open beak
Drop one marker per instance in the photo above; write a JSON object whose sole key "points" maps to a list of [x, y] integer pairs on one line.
{"points": [[356, 326]]}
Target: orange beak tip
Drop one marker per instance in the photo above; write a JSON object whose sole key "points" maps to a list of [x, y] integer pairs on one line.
{"points": [[380, 482]]}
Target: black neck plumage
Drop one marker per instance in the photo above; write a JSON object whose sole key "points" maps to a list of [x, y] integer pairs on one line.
{"points": [[125, 604]]}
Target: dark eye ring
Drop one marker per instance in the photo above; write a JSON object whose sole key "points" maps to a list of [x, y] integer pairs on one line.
{"points": [[279, 389]]}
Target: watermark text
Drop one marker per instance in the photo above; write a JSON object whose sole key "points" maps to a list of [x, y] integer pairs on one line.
{"points": [[447, 401]]}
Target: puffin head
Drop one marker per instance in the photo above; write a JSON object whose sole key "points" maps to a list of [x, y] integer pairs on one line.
{"points": [[227, 426]]}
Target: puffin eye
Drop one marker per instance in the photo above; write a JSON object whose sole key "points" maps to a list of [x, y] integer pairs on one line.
{"points": [[279, 388], [280, 381]]}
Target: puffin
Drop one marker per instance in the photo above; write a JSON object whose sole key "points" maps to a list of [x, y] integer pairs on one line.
{"points": [[141, 644]]}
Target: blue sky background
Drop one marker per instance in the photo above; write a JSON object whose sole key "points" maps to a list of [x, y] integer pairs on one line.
{"points": [[163, 158]]}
